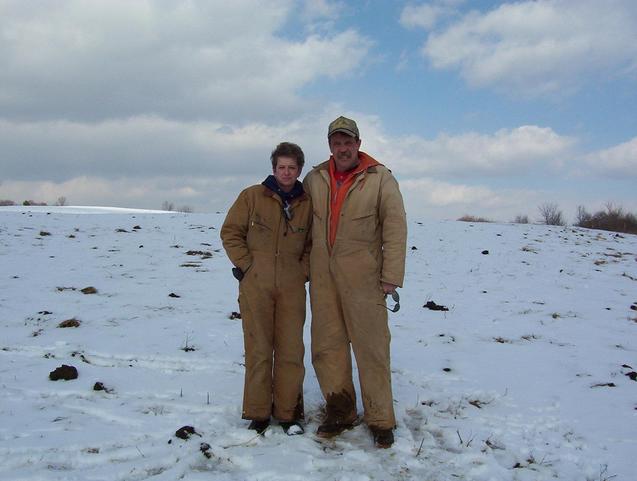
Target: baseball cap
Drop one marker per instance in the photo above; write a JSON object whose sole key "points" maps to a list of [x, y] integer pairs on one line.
{"points": [[344, 125]]}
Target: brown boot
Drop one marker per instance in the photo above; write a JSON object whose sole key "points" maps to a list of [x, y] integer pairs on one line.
{"points": [[329, 429], [259, 425], [383, 438]]}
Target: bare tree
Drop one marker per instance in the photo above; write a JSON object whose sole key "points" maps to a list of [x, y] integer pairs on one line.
{"points": [[583, 217], [521, 219], [61, 201], [7, 202], [551, 214], [186, 209], [169, 206]]}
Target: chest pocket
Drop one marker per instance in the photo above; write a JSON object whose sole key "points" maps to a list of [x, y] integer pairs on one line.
{"points": [[362, 225], [260, 233]]}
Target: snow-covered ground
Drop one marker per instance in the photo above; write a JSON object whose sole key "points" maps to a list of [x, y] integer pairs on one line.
{"points": [[527, 376]]}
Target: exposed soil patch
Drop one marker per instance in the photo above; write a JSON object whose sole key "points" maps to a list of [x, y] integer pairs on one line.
{"points": [[70, 323], [235, 315], [99, 386], [431, 305], [185, 432], [203, 254], [64, 372]]}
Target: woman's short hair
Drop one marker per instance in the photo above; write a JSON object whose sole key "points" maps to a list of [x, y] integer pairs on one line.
{"points": [[288, 149]]}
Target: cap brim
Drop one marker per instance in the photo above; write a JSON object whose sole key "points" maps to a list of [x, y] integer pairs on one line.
{"points": [[343, 131]]}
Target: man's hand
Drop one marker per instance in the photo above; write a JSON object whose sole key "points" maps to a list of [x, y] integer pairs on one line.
{"points": [[388, 288]]}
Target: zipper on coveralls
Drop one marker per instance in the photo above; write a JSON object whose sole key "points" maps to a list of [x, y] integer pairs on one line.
{"points": [[276, 246]]}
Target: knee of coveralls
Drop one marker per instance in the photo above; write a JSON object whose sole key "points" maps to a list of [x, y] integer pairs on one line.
{"points": [[257, 313], [289, 350]]}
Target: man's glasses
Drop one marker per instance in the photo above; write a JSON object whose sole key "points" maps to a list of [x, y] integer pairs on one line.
{"points": [[396, 298]]}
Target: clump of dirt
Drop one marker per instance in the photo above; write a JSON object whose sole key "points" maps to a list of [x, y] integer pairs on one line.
{"points": [[89, 290], [604, 384], [185, 432], [203, 254], [70, 323], [205, 449], [485, 252], [44, 233], [431, 305], [64, 372], [172, 294], [99, 386], [235, 315]]}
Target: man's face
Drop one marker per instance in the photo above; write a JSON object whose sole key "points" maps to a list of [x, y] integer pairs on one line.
{"points": [[345, 151], [286, 172]]}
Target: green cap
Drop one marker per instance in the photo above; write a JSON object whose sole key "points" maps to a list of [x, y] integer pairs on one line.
{"points": [[344, 125]]}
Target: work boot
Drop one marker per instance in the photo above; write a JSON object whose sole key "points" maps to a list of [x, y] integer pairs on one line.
{"points": [[259, 425], [383, 438], [329, 429], [292, 428]]}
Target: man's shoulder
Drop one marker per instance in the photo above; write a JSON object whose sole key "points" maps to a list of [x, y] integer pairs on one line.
{"points": [[316, 171], [322, 166]]}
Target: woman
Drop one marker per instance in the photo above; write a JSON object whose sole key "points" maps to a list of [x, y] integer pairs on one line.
{"points": [[266, 237]]}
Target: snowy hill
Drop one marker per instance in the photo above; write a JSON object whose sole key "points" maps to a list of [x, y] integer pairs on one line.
{"points": [[528, 376]]}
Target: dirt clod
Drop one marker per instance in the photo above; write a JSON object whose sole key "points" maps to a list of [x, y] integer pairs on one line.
{"points": [[63, 372], [205, 449], [89, 290], [70, 323], [431, 305], [185, 432]]}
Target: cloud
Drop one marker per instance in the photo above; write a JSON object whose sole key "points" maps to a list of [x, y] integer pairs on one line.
{"points": [[203, 194], [188, 60], [145, 146], [538, 47], [427, 15], [619, 161], [432, 198], [522, 150]]}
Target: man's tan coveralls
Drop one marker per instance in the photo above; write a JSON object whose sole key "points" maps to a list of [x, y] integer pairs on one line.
{"points": [[348, 305]]}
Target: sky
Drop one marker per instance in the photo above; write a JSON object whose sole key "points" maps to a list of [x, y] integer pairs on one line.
{"points": [[480, 108]]}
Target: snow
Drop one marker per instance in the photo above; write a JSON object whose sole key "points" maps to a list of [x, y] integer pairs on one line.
{"points": [[512, 383]]}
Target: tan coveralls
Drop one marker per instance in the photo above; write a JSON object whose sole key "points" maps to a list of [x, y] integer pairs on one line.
{"points": [[346, 294], [273, 254]]}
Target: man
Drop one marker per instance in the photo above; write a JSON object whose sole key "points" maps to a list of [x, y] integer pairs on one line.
{"points": [[359, 236], [266, 237]]}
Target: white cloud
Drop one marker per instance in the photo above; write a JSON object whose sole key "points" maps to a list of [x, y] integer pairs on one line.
{"points": [[539, 46], [619, 161], [116, 58], [522, 150], [321, 9], [427, 15], [432, 198]]}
